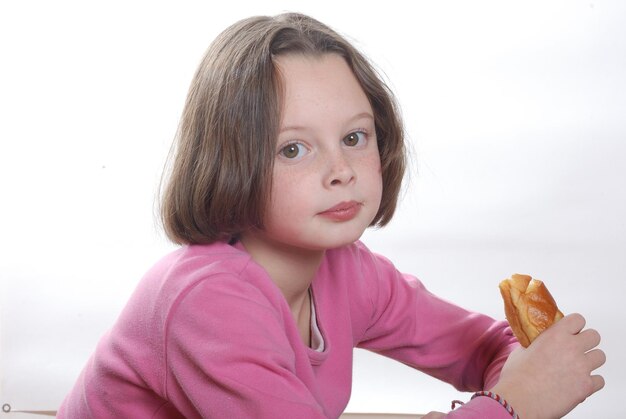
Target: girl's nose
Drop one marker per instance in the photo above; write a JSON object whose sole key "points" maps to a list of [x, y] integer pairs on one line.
{"points": [[340, 171]]}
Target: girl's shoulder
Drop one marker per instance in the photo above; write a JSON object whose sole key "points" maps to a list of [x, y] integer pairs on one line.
{"points": [[199, 262], [214, 257], [216, 265]]}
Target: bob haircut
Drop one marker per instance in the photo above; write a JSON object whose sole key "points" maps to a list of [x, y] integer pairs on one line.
{"points": [[220, 167]]}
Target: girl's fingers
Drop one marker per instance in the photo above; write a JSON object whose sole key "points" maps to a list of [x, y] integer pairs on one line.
{"points": [[597, 383], [589, 339], [595, 358], [573, 323]]}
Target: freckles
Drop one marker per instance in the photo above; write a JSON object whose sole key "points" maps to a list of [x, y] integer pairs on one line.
{"points": [[377, 165], [374, 168], [283, 177], [373, 165]]}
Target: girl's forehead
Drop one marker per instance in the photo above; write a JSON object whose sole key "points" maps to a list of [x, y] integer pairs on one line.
{"points": [[293, 65], [320, 87]]}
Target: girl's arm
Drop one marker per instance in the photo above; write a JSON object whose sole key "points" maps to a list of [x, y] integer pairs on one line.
{"points": [[471, 351], [414, 326]]}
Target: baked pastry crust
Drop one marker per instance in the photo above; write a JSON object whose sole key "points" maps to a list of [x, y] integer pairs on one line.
{"points": [[529, 307]]}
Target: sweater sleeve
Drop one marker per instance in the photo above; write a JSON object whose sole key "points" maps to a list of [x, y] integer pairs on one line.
{"points": [[226, 362], [410, 324]]}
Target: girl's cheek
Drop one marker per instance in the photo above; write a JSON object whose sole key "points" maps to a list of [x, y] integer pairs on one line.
{"points": [[378, 165], [372, 161]]}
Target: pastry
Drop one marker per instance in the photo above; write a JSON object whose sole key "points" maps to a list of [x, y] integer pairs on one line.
{"points": [[529, 307]]}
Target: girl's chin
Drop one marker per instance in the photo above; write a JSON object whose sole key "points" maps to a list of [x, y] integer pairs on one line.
{"points": [[318, 239]]}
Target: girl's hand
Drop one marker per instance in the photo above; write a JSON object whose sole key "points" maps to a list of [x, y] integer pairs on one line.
{"points": [[554, 374]]}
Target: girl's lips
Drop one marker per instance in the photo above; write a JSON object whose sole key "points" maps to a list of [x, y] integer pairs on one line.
{"points": [[343, 211]]}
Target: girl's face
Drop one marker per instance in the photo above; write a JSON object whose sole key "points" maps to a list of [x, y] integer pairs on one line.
{"points": [[327, 182]]}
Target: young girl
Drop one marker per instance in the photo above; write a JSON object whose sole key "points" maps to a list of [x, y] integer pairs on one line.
{"points": [[289, 147]]}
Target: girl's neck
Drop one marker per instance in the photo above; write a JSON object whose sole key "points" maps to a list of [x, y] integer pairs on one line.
{"points": [[291, 269]]}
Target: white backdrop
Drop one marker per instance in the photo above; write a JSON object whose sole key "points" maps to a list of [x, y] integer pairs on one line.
{"points": [[515, 115]]}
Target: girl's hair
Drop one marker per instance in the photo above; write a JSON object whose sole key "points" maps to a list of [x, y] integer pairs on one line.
{"points": [[220, 177]]}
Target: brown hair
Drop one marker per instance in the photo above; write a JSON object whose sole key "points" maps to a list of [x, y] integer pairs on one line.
{"points": [[220, 176]]}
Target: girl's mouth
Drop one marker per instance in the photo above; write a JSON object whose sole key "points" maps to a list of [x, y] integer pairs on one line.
{"points": [[344, 211]]}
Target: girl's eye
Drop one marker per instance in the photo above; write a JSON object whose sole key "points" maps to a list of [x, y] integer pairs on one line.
{"points": [[293, 151], [354, 139]]}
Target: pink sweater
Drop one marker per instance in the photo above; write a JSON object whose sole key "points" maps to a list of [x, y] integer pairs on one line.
{"points": [[208, 334]]}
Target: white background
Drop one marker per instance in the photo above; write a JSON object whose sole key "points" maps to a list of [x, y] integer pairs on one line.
{"points": [[515, 115]]}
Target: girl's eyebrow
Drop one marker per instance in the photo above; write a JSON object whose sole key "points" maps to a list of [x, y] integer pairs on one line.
{"points": [[362, 115]]}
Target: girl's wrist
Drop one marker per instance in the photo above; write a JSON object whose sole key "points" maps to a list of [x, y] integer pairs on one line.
{"points": [[513, 397], [503, 402], [494, 396]]}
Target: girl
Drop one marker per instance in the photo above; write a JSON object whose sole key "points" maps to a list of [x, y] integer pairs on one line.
{"points": [[290, 146]]}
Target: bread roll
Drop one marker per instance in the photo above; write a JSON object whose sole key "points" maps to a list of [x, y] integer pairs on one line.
{"points": [[529, 307]]}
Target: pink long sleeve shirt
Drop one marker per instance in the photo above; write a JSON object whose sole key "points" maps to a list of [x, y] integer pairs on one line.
{"points": [[208, 334]]}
